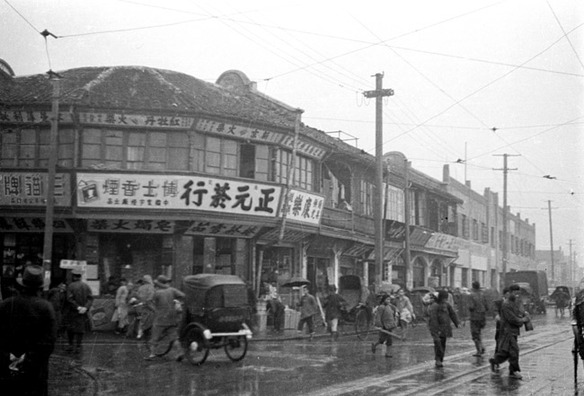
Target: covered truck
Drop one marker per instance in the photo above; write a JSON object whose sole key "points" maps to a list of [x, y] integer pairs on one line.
{"points": [[534, 299]]}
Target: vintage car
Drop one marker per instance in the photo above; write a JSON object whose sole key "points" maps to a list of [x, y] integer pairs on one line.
{"points": [[216, 315]]}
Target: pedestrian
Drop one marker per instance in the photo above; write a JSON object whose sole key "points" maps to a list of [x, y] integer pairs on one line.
{"points": [[405, 311], [440, 314], [276, 306], [498, 305], [120, 316], [166, 316], [145, 309], [28, 331], [58, 298], [385, 320], [79, 301], [478, 307], [463, 313], [512, 318], [308, 308], [333, 308]]}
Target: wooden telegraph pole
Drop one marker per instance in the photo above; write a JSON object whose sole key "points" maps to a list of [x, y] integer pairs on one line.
{"points": [[505, 233], [378, 94]]}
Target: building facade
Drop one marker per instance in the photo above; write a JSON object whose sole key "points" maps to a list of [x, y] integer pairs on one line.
{"points": [[160, 172]]}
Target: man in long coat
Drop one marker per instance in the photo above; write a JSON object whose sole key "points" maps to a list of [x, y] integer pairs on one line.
{"points": [[166, 317], [512, 318], [440, 314], [478, 307], [333, 311], [28, 331], [79, 301]]}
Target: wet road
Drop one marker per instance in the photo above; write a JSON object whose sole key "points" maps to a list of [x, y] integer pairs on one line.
{"points": [[114, 366]]}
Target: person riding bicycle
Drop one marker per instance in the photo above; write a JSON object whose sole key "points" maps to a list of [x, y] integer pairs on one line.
{"points": [[166, 316]]}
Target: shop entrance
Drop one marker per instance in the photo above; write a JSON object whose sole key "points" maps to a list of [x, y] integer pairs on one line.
{"points": [[130, 257]]}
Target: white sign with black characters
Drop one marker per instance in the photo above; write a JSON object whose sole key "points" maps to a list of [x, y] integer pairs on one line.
{"points": [[155, 192]]}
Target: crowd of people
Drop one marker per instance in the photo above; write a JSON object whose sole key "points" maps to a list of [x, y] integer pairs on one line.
{"points": [[151, 309]]}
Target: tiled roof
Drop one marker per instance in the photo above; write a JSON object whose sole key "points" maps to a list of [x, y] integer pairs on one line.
{"points": [[145, 88]]}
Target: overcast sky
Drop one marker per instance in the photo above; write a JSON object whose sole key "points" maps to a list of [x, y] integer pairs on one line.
{"points": [[472, 79]]}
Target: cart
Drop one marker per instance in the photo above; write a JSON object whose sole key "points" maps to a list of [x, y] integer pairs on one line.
{"points": [[216, 315], [356, 311]]}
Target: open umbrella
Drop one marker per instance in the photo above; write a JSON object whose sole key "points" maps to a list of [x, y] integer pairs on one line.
{"points": [[295, 281]]}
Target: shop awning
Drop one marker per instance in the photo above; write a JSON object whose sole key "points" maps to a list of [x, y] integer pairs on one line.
{"points": [[358, 250], [389, 254]]}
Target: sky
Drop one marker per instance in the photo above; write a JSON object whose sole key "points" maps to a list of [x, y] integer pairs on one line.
{"points": [[472, 80]]}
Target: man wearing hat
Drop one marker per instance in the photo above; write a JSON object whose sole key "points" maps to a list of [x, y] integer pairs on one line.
{"points": [[28, 332], [79, 300], [166, 316], [477, 307], [512, 318]]}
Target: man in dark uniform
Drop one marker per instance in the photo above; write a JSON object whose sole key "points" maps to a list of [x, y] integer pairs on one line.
{"points": [[512, 318], [27, 338], [79, 300]]}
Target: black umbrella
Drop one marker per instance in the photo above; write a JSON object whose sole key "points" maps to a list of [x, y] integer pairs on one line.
{"points": [[296, 281]]}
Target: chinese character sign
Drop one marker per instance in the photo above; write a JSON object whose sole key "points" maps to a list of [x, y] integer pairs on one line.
{"points": [[222, 229], [30, 189], [141, 191], [303, 207], [133, 226]]}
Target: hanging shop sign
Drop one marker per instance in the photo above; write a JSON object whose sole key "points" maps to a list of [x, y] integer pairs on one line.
{"points": [[304, 207], [19, 116], [229, 129], [443, 242], [155, 192], [136, 120], [222, 229], [31, 224], [131, 226], [395, 231], [30, 189], [304, 147]]}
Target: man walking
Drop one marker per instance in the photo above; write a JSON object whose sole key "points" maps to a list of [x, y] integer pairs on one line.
{"points": [[28, 331], [308, 308], [385, 321], [333, 311], [166, 317], [477, 307], [79, 301], [512, 318]]}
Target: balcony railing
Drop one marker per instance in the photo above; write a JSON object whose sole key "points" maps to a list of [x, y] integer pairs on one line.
{"points": [[349, 221]]}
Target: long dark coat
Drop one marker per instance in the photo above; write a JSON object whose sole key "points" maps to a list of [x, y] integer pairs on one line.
{"points": [[78, 295], [333, 305], [440, 316], [27, 326]]}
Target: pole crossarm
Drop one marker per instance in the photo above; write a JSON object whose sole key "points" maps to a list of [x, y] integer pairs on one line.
{"points": [[378, 93]]}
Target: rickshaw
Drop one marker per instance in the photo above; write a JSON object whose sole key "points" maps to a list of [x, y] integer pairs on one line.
{"points": [[356, 312], [562, 299], [216, 315]]}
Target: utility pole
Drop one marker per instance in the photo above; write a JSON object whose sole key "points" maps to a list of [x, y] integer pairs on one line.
{"points": [[505, 236], [551, 241], [572, 273], [53, 153], [378, 94]]}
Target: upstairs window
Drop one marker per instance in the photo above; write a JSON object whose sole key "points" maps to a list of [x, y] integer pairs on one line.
{"points": [[30, 148]]}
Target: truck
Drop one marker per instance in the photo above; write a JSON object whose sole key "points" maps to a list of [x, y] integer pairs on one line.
{"points": [[534, 288]]}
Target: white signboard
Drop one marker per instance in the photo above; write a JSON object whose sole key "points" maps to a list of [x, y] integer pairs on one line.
{"points": [[155, 192], [304, 207], [73, 264]]}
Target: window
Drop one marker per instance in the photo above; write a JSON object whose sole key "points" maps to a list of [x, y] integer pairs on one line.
{"points": [[304, 169], [247, 161], [464, 221], [135, 149], [493, 237], [30, 148], [366, 198], [475, 230], [395, 204]]}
